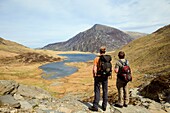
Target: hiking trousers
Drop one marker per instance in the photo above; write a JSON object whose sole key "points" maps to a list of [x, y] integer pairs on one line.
{"points": [[100, 80], [123, 92]]}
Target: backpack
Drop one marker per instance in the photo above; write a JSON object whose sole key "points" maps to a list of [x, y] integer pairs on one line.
{"points": [[105, 65], [125, 72]]}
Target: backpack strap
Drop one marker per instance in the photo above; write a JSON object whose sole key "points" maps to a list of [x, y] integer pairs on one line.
{"points": [[123, 63], [126, 62]]}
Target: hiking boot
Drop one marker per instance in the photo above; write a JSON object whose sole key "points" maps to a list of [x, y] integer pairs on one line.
{"points": [[103, 108], [117, 105], [125, 105], [93, 108]]}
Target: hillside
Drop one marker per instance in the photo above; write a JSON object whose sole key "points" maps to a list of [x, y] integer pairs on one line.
{"points": [[12, 47], [135, 35], [92, 39], [11, 52], [20, 63], [149, 57], [151, 52]]}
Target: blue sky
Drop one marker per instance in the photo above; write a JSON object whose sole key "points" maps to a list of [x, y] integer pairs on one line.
{"points": [[36, 23]]}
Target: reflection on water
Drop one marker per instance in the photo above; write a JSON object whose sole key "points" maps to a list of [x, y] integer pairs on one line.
{"points": [[59, 69]]}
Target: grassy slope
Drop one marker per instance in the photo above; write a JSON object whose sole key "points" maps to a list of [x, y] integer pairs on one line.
{"points": [[23, 72], [12, 47], [149, 54]]}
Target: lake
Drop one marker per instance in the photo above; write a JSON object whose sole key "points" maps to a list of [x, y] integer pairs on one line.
{"points": [[59, 69]]}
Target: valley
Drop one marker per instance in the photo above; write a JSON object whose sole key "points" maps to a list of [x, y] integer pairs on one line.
{"points": [[148, 56]]}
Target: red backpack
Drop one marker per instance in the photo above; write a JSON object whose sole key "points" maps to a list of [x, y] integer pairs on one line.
{"points": [[125, 72]]}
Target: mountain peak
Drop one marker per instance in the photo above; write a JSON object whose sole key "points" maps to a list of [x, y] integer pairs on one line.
{"points": [[91, 40], [98, 25], [101, 27]]}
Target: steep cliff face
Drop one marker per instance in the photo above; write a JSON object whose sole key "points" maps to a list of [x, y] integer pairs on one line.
{"points": [[91, 40]]}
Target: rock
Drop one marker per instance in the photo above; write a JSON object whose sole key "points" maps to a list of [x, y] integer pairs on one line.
{"points": [[154, 106], [167, 107], [64, 110], [9, 100], [34, 99], [18, 97], [42, 107], [25, 105], [158, 89], [5, 110], [39, 111], [32, 92], [14, 111], [130, 109], [42, 96], [109, 109], [134, 92], [34, 102], [8, 87]]}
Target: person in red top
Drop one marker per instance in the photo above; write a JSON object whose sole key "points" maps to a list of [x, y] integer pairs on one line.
{"points": [[122, 86], [99, 79]]}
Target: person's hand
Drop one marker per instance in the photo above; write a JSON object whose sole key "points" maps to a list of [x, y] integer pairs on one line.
{"points": [[94, 74], [116, 70]]}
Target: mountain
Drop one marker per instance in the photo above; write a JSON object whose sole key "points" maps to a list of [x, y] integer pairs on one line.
{"points": [[149, 57], [92, 39]]}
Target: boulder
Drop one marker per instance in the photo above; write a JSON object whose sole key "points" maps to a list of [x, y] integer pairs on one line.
{"points": [[25, 105], [158, 89], [131, 109], [32, 92], [9, 100], [8, 87]]}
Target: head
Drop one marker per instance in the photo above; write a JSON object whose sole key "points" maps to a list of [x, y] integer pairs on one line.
{"points": [[102, 50], [121, 55]]}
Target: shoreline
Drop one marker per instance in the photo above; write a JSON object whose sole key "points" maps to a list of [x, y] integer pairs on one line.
{"points": [[30, 74], [78, 82]]}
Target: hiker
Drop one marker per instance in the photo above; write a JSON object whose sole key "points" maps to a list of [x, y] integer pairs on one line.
{"points": [[101, 77], [121, 84]]}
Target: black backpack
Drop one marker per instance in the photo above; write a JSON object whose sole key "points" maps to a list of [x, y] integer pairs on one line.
{"points": [[125, 72], [105, 65]]}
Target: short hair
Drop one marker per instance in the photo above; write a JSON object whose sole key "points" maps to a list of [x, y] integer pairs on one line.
{"points": [[102, 49], [121, 55]]}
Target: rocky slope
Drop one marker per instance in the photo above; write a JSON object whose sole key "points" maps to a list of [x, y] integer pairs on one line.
{"points": [[92, 39], [19, 98]]}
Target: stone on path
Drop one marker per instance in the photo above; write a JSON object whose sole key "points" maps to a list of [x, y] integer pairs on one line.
{"points": [[9, 100]]}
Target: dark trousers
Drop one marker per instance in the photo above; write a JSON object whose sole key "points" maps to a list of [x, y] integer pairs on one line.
{"points": [[104, 82]]}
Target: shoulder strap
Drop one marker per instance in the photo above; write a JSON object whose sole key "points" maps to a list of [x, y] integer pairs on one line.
{"points": [[120, 62], [123, 63], [102, 58], [107, 58], [126, 62]]}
